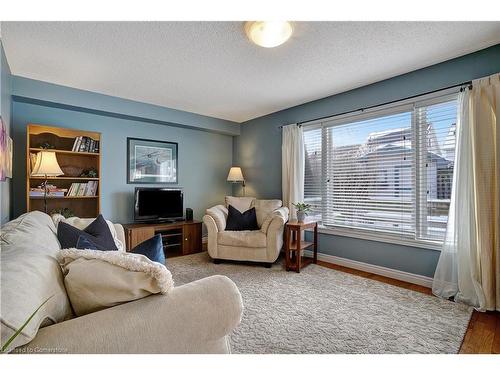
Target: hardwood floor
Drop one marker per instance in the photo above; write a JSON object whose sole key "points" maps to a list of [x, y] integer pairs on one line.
{"points": [[483, 333]]}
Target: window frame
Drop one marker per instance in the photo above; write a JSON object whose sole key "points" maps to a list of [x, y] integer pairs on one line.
{"points": [[380, 111]]}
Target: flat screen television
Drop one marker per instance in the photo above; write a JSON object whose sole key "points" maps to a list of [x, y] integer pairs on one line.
{"points": [[158, 204]]}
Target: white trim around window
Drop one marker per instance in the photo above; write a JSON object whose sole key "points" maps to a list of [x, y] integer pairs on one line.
{"points": [[380, 237]]}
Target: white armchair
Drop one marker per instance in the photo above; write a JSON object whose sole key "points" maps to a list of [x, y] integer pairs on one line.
{"points": [[263, 245]]}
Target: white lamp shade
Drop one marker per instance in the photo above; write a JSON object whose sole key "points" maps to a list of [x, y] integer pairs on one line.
{"points": [[46, 165], [235, 175]]}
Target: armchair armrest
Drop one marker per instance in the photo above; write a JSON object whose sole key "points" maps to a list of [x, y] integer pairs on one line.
{"points": [[192, 318], [281, 214], [219, 214]]}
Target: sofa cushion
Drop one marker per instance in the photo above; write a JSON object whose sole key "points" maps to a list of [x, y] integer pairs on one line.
{"points": [[84, 243], [97, 232], [151, 248], [240, 203], [82, 223], [244, 238], [36, 226], [126, 277], [264, 208], [237, 220], [30, 274]]}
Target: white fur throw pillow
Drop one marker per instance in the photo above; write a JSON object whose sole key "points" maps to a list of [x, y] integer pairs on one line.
{"points": [[96, 280]]}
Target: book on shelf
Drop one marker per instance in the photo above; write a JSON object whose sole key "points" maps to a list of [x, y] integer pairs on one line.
{"points": [[52, 191], [85, 144], [81, 190], [86, 189]]}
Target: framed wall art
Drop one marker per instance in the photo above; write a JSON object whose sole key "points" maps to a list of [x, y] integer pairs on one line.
{"points": [[151, 162]]}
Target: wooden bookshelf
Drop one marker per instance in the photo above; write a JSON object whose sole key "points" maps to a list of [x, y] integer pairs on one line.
{"points": [[62, 140]]}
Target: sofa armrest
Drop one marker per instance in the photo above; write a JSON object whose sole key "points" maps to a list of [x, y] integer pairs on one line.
{"points": [[120, 234], [192, 318]]}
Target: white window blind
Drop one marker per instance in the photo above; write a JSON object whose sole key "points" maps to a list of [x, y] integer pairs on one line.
{"points": [[387, 173], [436, 125]]}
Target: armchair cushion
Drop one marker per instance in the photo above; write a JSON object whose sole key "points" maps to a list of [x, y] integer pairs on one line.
{"points": [[240, 203], [237, 220], [264, 207], [219, 214], [242, 238]]}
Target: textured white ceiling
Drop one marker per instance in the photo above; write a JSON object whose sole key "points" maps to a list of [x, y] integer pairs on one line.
{"points": [[212, 69]]}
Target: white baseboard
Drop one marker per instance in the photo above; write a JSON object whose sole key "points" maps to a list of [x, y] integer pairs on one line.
{"points": [[378, 270]]}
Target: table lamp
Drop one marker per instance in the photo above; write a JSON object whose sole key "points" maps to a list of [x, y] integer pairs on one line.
{"points": [[47, 166]]}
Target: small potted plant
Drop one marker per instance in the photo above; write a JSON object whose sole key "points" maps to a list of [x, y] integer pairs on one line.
{"points": [[302, 210]]}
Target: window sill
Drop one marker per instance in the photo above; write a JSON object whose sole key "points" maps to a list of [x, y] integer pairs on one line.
{"points": [[430, 245]]}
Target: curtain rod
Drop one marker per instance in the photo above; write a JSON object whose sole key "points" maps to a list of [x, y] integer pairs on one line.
{"points": [[468, 84]]}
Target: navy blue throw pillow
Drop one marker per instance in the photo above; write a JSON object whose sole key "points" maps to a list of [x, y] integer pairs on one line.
{"points": [[84, 243], [152, 248], [237, 220], [97, 232]]}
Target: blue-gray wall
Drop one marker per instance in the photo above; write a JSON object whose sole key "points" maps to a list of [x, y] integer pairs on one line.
{"points": [[205, 155], [258, 148], [5, 112], [50, 94]]}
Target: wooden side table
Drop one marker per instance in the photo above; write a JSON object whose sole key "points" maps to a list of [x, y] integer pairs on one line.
{"points": [[294, 245]]}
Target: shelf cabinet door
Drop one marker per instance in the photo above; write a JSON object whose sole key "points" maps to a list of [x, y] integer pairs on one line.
{"points": [[191, 237], [138, 235]]}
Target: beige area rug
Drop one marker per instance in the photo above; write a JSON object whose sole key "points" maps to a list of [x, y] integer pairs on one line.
{"points": [[322, 310]]}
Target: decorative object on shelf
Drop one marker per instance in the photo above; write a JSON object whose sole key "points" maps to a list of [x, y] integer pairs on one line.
{"points": [[46, 146], [91, 173], [47, 166], [152, 162], [235, 176], [302, 210], [65, 211], [71, 170], [3, 151]]}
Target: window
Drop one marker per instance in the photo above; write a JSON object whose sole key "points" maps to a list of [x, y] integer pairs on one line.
{"points": [[386, 174]]}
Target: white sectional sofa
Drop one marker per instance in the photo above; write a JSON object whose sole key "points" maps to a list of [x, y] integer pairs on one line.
{"points": [[193, 318]]}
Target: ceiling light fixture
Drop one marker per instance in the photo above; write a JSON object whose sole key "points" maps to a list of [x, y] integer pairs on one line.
{"points": [[268, 34]]}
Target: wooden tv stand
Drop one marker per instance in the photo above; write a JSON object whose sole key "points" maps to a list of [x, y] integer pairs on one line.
{"points": [[179, 238]]}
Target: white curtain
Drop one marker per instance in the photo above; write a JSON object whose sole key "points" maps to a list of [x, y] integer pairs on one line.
{"points": [[292, 166], [469, 264]]}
